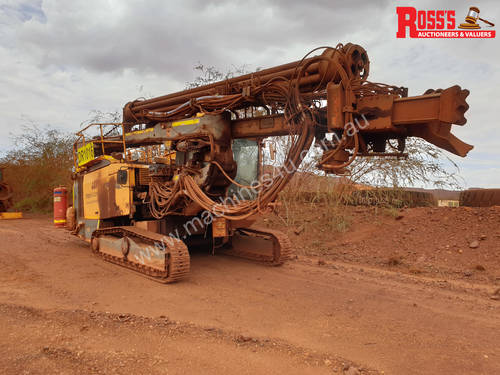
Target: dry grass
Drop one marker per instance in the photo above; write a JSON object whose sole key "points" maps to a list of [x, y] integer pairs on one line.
{"points": [[326, 204], [40, 160], [324, 208]]}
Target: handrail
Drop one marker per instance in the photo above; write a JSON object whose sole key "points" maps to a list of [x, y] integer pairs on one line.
{"points": [[100, 140]]}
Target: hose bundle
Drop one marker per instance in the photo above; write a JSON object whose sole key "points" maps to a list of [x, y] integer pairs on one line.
{"points": [[286, 95]]}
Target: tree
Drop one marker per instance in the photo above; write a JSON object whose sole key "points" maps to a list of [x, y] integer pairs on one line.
{"points": [[425, 164], [41, 159], [210, 74]]}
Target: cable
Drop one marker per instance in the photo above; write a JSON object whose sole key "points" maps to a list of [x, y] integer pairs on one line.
{"points": [[292, 97]]}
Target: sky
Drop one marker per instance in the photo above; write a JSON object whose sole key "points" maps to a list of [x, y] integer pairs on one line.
{"points": [[61, 60]]}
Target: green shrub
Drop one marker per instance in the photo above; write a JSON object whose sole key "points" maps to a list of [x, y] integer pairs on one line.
{"points": [[40, 160]]}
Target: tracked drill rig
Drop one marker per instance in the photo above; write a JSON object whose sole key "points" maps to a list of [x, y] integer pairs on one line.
{"points": [[182, 170]]}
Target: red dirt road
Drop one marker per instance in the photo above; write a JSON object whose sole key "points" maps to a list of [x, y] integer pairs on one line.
{"points": [[62, 310]]}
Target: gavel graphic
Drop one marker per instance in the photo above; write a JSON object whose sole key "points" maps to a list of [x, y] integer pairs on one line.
{"points": [[471, 20]]}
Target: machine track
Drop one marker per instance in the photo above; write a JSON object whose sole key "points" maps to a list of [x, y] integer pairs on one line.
{"points": [[244, 247], [171, 263]]}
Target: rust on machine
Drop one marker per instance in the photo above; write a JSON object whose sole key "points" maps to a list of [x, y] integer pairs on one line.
{"points": [[173, 167], [260, 88], [338, 76]]}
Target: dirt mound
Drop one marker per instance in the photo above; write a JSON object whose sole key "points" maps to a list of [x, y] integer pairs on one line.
{"points": [[458, 242]]}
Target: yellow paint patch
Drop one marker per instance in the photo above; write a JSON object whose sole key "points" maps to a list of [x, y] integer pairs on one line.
{"points": [[85, 153], [115, 202], [186, 122], [140, 131], [11, 215]]}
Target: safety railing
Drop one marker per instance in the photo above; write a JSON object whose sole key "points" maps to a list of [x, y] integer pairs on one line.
{"points": [[105, 129]]}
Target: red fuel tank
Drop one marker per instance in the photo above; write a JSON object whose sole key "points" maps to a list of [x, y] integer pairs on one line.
{"points": [[60, 206]]}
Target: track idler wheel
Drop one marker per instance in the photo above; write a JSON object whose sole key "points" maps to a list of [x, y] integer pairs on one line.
{"points": [[263, 245]]}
